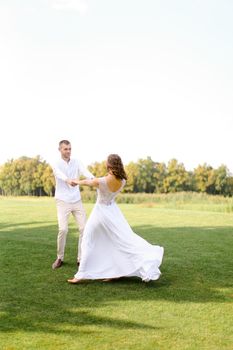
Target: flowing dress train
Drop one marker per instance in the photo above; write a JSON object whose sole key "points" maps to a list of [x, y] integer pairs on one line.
{"points": [[110, 248]]}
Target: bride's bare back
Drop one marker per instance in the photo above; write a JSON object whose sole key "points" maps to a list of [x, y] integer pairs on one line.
{"points": [[113, 183]]}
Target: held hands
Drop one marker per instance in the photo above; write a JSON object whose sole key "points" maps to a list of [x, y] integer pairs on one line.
{"points": [[72, 182]]}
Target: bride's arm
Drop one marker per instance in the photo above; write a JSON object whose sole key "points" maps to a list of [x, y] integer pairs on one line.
{"points": [[88, 182]]}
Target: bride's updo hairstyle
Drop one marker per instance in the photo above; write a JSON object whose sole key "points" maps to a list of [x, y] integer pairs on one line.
{"points": [[114, 163]]}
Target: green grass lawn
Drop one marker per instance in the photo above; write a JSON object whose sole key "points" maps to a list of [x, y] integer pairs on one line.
{"points": [[189, 307]]}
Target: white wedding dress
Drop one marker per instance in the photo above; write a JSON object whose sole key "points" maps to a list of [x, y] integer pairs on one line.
{"points": [[110, 248]]}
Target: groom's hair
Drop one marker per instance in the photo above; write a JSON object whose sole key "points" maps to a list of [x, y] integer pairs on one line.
{"points": [[66, 142]]}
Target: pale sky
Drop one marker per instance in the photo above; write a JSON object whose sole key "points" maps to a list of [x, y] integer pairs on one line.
{"points": [[134, 77]]}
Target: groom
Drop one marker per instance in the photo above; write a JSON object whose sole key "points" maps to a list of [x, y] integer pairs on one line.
{"points": [[68, 198]]}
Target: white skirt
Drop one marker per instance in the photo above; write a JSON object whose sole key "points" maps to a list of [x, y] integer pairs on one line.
{"points": [[110, 249]]}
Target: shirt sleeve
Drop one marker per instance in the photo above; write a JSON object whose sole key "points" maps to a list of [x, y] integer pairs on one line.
{"points": [[58, 173], [85, 172]]}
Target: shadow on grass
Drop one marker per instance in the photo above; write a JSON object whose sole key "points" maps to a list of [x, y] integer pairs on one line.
{"points": [[195, 269], [6, 227]]}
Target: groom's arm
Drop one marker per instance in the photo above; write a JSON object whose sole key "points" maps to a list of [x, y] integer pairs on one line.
{"points": [[61, 176], [58, 173]]}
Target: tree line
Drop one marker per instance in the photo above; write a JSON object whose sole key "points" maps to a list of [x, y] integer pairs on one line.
{"points": [[34, 176], [26, 176]]}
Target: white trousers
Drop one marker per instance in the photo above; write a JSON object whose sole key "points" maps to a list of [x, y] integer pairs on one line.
{"points": [[63, 213]]}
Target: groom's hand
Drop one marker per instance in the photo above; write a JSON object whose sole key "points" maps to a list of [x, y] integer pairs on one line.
{"points": [[74, 183], [71, 182]]}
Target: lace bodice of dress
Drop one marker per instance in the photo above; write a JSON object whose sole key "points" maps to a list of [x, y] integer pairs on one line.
{"points": [[105, 196]]}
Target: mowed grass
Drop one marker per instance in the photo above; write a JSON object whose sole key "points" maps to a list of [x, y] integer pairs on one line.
{"points": [[189, 307]]}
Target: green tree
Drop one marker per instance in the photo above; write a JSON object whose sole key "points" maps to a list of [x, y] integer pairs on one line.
{"points": [[23, 176], [48, 180], [160, 173], [204, 177], [9, 178], [132, 171], [177, 178], [229, 186], [221, 175], [27, 180], [98, 169], [144, 182]]}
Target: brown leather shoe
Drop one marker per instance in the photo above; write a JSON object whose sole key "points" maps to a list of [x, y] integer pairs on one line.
{"points": [[57, 263], [78, 263]]}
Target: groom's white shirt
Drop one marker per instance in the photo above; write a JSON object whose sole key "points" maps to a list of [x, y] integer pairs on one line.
{"points": [[69, 170]]}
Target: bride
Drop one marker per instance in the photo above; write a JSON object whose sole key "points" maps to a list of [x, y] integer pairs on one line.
{"points": [[110, 249]]}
